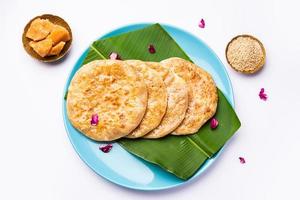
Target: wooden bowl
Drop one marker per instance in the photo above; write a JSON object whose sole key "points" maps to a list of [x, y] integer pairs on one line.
{"points": [[55, 20], [254, 69]]}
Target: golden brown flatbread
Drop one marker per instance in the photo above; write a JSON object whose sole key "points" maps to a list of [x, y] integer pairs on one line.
{"points": [[111, 90], [177, 91], [157, 98], [203, 97]]}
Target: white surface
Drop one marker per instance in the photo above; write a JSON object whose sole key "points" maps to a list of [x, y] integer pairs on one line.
{"points": [[37, 159]]}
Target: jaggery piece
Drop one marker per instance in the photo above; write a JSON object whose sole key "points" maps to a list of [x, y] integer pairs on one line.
{"points": [[42, 47], [56, 49], [59, 34], [39, 29]]}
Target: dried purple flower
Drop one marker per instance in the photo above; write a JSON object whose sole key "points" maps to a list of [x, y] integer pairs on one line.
{"points": [[242, 160], [94, 120], [262, 95], [201, 24], [214, 123], [151, 49], [106, 148]]}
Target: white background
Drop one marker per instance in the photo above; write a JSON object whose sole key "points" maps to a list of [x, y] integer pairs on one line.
{"points": [[37, 159]]}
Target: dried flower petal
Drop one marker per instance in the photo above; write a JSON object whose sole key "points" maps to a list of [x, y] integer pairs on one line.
{"points": [[242, 160], [214, 123], [94, 120], [262, 95], [114, 56], [201, 23], [106, 148], [151, 49]]}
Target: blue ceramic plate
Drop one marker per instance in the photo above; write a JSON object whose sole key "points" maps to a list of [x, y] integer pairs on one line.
{"points": [[121, 167]]}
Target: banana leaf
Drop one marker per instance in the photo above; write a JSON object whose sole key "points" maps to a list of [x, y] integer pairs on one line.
{"points": [[180, 155]]}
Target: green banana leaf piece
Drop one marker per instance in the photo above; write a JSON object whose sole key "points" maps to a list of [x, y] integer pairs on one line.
{"points": [[180, 155], [134, 45]]}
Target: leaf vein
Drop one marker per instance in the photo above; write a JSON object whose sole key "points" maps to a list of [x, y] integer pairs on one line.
{"points": [[98, 52], [198, 147]]}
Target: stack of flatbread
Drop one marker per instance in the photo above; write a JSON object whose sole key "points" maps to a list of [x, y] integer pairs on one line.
{"points": [[136, 99]]}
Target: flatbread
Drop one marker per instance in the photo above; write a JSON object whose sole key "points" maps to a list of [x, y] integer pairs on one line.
{"points": [[203, 97], [112, 90], [157, 98], [177, 101]]}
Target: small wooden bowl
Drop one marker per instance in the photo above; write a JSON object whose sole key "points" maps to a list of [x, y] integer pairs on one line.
{"points": [[55, 20], [254, 69]]}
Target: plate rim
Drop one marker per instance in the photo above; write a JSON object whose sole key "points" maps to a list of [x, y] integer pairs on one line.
{"points": [[131, 27]]}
